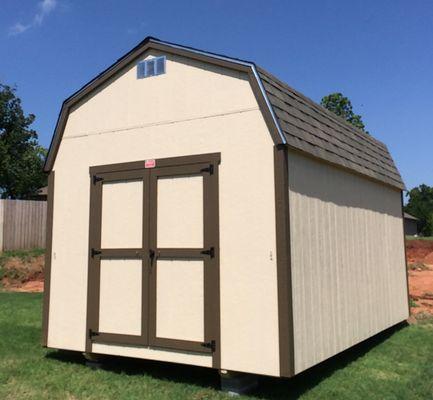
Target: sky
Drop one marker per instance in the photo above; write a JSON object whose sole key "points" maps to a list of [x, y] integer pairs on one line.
{"points": [[379, 53]]}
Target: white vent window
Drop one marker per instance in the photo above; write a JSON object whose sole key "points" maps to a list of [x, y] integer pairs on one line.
{"points": [[151, 67]]}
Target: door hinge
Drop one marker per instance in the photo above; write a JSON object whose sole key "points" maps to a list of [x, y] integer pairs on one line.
{"points": [[92, 333], [97, 179], [94, 252], [210, 252], [208, 169], [209, 345]]}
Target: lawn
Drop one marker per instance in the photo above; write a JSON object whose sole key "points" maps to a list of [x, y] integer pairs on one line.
{"points": [[408, 237], [396, 365]]}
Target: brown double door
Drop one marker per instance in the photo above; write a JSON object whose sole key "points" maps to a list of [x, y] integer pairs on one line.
{"points": [[153, 254]]}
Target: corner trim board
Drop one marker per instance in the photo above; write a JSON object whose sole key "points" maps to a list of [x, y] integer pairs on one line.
{"points": [[405, 255], [284, 276], [48, 251]]}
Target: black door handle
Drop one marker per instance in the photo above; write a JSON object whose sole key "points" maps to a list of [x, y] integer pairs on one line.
{"points": [[210, 252]]}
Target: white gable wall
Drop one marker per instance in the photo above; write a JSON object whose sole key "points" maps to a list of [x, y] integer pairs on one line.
{"points": [[194, 108]]}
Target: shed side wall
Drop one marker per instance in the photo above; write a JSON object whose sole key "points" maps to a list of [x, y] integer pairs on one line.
{"points": [[410, 227], [348, 265], [193, 109]]}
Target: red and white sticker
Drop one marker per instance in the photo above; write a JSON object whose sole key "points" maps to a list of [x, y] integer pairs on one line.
{"points": [[149, 164]]}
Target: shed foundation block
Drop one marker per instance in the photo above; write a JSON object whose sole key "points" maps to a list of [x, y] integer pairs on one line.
{"points": [[94, 361], [237, 383]]}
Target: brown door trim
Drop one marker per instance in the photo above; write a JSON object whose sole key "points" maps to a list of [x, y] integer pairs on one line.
{"points": [[96, 253], [214, 158], [93, 275], [48, 251], [208, 169], [284, 275], [203, 164]]}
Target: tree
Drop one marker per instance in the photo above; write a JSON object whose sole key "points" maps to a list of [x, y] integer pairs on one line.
{"points": [[420, 205], [21, 157], [342, 106]]}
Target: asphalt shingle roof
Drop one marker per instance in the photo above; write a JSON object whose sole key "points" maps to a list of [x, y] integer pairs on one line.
{"points": [[311, 128]]}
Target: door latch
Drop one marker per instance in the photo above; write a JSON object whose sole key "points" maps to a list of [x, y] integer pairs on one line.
{"points": [[210, 252], [94, 252], [93, 333], [209, 345]]}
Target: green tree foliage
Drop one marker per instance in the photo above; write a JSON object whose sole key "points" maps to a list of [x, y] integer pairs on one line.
{"points": [[21, 157], [420, 205], [342, 106]]}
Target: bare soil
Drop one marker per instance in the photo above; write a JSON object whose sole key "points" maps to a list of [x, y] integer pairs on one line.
{"points": [[420, 262], [24, 274]]}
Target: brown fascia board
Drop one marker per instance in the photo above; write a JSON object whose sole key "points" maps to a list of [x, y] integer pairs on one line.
{"points": [[156, 44]]}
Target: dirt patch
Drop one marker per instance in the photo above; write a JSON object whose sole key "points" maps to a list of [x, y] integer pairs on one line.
{"points": [[23, 274], [420, 264], [428, 259], [421, 291], [29, 287], [419, 251]]}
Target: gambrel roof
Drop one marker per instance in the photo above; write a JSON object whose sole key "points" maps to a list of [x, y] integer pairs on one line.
{"points": [[293, 119], [313, 129]]}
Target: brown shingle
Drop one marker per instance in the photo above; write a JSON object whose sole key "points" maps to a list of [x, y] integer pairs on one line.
{"points": [[311, 128]]}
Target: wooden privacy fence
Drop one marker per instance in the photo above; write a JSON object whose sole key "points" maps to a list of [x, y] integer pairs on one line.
{"points": [[22, 224]]}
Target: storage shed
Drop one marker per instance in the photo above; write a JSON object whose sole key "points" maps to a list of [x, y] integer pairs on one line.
{"points": [[410, 224], [203, 212]]}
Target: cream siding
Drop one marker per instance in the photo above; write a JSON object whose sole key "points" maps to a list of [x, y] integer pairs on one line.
{"points": [[179, 287], [180, 357], [120, 296], [194, 108], [348, 265], [180, 212], [122, 215]]}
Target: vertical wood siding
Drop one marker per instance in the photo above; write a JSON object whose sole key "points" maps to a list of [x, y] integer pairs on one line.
{"points": [[348, 266], [23, 224]]}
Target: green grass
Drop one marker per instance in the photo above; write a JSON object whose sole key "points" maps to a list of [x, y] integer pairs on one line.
{"points": [[24, 255], [419, 237], [395, 365], [412, 303]]}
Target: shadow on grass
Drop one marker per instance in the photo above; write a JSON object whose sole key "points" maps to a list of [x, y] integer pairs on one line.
{"points": [[293, 388], [269, 388], [198, 376]]}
